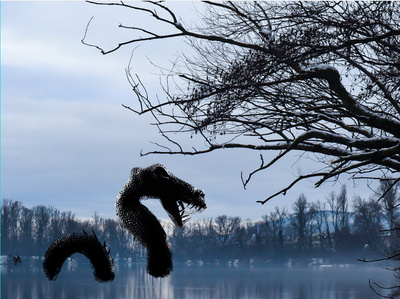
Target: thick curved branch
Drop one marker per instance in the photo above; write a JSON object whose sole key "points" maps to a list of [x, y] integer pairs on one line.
{"points": [[363, 113]]}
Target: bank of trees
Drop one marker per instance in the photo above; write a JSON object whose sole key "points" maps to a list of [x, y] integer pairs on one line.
{"points": [[338, 228], [27, 232], [335, 228]]}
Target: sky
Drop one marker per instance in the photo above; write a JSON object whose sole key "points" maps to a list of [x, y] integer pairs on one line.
{"points": [[66, 140]]}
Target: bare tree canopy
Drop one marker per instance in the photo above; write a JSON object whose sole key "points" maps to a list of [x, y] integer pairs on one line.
{"points": [[316, 77]]}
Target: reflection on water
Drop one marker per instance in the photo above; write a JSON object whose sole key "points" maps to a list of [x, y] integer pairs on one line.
{"points": [[196, 282]]}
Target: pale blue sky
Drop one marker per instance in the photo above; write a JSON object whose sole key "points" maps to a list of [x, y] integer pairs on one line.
{"points": [[67, 141]]}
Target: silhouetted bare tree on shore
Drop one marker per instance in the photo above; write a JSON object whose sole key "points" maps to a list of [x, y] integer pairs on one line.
{"points": [[315, 77]]}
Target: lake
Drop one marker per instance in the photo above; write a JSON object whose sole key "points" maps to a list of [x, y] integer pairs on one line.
{"points": [[197, 282]]}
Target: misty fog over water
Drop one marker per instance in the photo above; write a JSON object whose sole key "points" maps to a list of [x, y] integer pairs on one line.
{"points": [[197, 282]]}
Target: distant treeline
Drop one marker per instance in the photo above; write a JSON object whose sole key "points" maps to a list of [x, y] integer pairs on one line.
{"points": [[337, 228]]}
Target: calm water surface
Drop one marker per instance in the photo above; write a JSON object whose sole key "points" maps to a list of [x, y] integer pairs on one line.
{"points": [[196, 282]]}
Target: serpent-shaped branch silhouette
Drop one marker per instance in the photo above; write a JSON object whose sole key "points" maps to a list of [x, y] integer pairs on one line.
{"points": [[62, 248], [176, 197]]}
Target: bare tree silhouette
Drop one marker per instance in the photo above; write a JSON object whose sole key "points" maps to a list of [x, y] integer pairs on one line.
{"points": [[314, 77]]}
